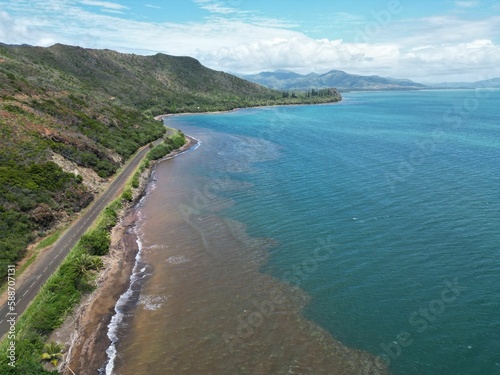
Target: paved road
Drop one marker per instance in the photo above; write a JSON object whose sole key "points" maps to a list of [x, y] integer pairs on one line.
{"points": [[28, 290]]}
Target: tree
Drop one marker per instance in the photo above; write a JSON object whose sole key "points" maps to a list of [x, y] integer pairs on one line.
{"points": [[52, 352], [96, 242], [84, 263]]}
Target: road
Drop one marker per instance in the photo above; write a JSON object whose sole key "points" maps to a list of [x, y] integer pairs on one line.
{"points": [[28, 290]]}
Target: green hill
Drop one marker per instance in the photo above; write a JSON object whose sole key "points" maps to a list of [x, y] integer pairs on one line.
{"points": [[287, 80], [94, 108]]}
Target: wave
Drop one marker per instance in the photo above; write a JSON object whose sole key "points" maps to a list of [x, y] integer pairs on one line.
{"points": [[138, 273]]}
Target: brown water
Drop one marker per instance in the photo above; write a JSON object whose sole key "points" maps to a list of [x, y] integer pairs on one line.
{"points": [[202, 306]]}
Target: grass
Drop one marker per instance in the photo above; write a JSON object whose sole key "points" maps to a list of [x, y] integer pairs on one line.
{"points": [[46, 242], [51, 239]]}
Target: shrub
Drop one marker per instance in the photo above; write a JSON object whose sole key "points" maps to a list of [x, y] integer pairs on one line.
{"points": [[135, 180], [127, 195], [96, 242], [159, 151], [173, 142]]}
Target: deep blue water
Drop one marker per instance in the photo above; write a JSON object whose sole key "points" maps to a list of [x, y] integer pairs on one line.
{"points": [[378, 204]]}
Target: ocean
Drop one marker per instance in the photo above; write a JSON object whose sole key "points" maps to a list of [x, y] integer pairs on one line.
{"points": [[328, 239]]}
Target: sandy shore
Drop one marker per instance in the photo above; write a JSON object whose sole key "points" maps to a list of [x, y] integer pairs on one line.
{"points": [[84, 332], [167, 115]]}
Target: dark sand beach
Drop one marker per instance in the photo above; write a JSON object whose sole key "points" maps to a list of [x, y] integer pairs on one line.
{"points": [[85, 331]]}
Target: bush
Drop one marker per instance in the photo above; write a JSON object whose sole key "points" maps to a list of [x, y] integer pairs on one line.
{"points": [[173, 142], [159, 151], [127, 195], [135, 180], [176, 140], [32, 197], [96, 242]]}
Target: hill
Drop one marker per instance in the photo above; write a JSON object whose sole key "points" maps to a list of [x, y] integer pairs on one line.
{"points": [[493, 83], [67, 108], [287, 80]]}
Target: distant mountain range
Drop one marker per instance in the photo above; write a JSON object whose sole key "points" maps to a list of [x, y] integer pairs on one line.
{"points": [[288, 80], [487, 83]]}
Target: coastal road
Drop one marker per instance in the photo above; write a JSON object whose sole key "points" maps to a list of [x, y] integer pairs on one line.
{"points": [[27, 291]]}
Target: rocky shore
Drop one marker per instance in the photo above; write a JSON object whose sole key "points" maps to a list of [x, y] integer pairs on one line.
{"points": [[84, 332]]}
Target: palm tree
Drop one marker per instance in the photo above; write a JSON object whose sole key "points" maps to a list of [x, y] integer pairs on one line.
{"points": [[84, 263], [82, 266], [52, 352]]}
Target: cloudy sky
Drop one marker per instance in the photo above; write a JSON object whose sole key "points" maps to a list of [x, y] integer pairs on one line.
{"points": [[426, 40]]}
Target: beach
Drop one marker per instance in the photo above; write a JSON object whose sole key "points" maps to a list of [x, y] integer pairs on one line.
{"points": [[84, 332]]}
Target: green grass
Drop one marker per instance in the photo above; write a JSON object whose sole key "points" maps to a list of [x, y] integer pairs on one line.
{"points": [[46, 242], [51, 239]]}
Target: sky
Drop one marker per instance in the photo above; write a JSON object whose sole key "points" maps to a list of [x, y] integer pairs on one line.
{"points": [[426, 41]]}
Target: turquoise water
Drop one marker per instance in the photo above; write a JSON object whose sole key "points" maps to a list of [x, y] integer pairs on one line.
{"points": [[400, 194]]}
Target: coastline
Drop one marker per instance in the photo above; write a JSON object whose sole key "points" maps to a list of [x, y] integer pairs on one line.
{"points": [[142, 353], [90, 340], [84, 331], [167, 115]]}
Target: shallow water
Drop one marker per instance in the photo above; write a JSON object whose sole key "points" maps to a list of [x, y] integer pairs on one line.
{"points": [[377, 219]]}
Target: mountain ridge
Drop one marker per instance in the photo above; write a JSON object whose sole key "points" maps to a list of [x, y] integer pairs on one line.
{"points": [[486, 83], [281, 80], [289, 80]]}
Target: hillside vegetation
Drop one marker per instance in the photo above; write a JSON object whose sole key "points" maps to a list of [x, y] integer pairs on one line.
{"points": [[94, 108]]}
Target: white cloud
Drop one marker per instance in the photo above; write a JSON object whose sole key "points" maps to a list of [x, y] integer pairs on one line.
{"points": [[20, 32], [467, 4], [215, 7], [104, 4], [301, 54], [112, 11], [434, 60], [434, 48], [437, 29], [220, 11], [477, 58]]}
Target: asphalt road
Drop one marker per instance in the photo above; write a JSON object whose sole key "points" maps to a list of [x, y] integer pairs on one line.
{"points": [[27, 291]]}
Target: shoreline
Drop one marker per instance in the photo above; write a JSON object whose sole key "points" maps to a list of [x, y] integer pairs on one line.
{"points": [[85, 331], [90, 341], [291, 306], [167, 115]]}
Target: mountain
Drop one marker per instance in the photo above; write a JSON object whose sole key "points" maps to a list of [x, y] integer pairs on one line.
{"points": [[488, 83], [286, 80], [67, 108]]}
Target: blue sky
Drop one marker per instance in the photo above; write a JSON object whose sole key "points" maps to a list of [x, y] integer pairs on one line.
{"points": [[428, 41]]}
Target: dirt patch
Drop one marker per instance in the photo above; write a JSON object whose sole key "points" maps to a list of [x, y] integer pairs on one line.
{"points": [[91, 179]]}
